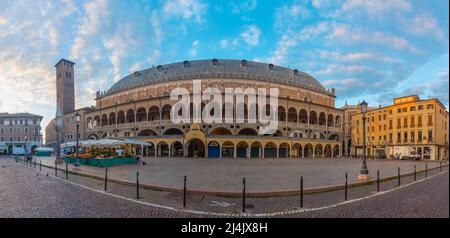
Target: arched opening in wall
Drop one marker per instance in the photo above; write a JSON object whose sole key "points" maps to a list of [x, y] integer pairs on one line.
{"points": [[141, 115], [198, 111], [308, 151], [270, 112], [322, 119], [256, 150], [104, 120], [163, 149], [153, 113], [318, 151], [284, 151], [336, 151], [330, 120], [241, 149], [96, 121], [328, 151], [112, 118], [228, 150], [121, 117], [270, 150], [322, 136], [105, 135], [165, 114], [177, 149], [292, 115], [241, 113], [150, 150], [196, 148], [213, 149], [334, 137], [130, 116], [338, 122], [173, 131], [303, 115], [89, 122], [220, 131], [281, 113], [147, 132], [93, 137], [248, 132], [313, 118], [297, 150], [253, 114], [227, 107]]}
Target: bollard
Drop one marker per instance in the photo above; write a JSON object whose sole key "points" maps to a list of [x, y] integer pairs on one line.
{"points": [[378, 180], [40, 165], [184, 191], [67, 172], [415, 173], [426, 170], [346, 185], [106, 178], [137, 185], [398, 175], [440, 166], [34, 164], [301, 192], [243, 195], [56, 170]]}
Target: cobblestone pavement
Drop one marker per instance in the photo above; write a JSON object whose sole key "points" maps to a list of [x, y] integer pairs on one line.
{"points": [[24, 192], [261, 174]]}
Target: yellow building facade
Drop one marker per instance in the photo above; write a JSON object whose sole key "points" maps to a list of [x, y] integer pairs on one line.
{"points": [[409, 126]]}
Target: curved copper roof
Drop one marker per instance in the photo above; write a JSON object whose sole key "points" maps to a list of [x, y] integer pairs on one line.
{"points": [[217, 68]]}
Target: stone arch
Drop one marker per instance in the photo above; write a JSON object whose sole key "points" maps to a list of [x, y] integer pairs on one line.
{"points": [[303, 116], [177, 149], [165, 112], [89, 122], [242, 149], [281, 113], [153, 113], [248, 132], [338, 122], [220, 131], [270, 150], [336, 151], [256, 150], [327, 151], [213, 149], [308, 151], [104, 120], [112, 118], [322, 119], [130, 116], [96, 121], [163, 149], [284, 150], [93, 137], [227, 149], [292, 115], [147, 132], [313, 118], [297, 150], [195, 148], [173, 131], [141, 115], [318, 150], [330, 120], [121, 117]]}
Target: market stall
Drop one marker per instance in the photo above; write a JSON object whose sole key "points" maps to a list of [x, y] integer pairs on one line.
{"points": [[104, 152], [42, 151]]}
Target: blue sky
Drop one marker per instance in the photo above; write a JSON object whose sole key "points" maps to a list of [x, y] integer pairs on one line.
{"points": [[367, 49]]}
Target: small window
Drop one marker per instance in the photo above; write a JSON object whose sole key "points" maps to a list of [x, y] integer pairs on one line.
{"points": [[399, 110], [405, 109], [430, 106], [420, 107], [412, 108]]}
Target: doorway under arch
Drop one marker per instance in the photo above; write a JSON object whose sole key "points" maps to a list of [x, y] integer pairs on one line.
{"points": [[196, 148]]}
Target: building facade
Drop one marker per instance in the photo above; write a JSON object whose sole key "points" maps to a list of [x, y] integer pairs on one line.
{"points": [[409, 126], [139, 106], [18, 132], [349, 111]]}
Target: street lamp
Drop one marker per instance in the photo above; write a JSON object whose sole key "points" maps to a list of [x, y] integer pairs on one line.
{"points": [[364, 173], [77, 120]]}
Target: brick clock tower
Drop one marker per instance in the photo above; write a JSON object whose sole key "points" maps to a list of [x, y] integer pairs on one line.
{"points": [[65, 86]]}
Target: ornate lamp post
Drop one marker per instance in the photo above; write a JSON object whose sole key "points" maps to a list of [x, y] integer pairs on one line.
{"points": [[364, 173], [25, 147], [77, 120]]}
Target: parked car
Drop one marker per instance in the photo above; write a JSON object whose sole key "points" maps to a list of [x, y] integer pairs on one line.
{"points": [[413, 156]]}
